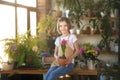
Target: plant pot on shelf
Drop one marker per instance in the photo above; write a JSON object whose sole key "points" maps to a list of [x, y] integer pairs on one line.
{"points": [[72, 31], [77, 31], [87, 30], [89, 13], [57, 14]]}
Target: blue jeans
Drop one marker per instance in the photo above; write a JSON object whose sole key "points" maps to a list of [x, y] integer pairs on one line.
{"points": [[54, 72]]}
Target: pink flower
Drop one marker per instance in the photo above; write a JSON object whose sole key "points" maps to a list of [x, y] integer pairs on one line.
{"points": [[64, 42], [63, 46], [82, 51]]}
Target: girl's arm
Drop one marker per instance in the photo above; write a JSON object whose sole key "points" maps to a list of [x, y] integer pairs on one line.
{"points": [[56, 52], [75, 53]]}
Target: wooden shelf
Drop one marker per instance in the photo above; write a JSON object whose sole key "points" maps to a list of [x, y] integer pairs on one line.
{"points": [[79, 35]]}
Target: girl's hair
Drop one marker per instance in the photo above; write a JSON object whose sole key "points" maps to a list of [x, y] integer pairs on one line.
{"points": [[61, 20]]}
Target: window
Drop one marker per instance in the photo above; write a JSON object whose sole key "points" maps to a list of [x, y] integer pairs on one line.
{"points": [[7, 24], [33, 23], [31, 3], [22, 20], [9, 0], [16, 17]]}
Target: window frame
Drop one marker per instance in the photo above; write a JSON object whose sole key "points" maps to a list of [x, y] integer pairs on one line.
{"points": [[29, 9]]}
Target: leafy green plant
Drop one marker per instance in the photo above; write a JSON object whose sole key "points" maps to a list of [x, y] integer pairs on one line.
{"points": [[86, 4], [75, 10], [111, 5], [105, 33], [47, 31], [24, 51]]}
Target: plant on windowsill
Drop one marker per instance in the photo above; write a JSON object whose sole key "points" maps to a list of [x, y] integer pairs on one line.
{"points": [[24, 52]]}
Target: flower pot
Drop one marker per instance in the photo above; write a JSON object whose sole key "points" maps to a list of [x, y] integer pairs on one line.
{"points": [[72, 31], [6, 66], [29, 58], [77, 31], [62, 61], [91, 64], [57, 14]]}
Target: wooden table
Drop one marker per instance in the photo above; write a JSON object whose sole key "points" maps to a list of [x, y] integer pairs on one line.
{"points": [[43, 71], [76, 71]]}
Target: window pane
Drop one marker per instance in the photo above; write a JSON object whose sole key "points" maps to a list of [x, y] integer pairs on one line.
{"points": [[27, 2], [22, 20], [7, 24], [9, 0], [33, 23]]}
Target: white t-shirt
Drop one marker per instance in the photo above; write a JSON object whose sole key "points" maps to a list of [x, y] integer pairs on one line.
{"points": [[71, 39]]}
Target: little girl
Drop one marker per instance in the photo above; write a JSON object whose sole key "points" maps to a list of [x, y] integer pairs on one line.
{"points": [[71, 50]]}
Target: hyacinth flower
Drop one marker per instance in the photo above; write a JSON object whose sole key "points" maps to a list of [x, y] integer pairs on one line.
{"points": [[63, 46]]}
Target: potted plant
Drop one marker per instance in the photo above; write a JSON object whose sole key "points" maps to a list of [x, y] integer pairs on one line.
{"points": [[75, 11], [88, 5], [24, 51], [111, 6], [106, 31], [47, 30], [90, 53]]}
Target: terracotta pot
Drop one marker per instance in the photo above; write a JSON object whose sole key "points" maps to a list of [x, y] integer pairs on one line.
{"points": [[62, 61], [90, 13], [29, 58]]}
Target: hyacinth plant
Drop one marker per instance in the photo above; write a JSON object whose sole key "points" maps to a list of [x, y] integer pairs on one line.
{"points": [[63, 46], [62, 58]]}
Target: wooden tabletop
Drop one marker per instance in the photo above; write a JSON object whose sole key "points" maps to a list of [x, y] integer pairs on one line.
{"points": [[77, 71]]}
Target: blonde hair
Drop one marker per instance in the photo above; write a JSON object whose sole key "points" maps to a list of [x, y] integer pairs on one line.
{"points": [[61, 20]]}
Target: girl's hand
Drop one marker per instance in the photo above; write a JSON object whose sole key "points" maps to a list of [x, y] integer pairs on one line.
{"points": [[68, 60]]}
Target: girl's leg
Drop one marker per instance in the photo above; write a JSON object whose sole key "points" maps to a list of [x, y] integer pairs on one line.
{"points": [[49, 72], [60, 71]]}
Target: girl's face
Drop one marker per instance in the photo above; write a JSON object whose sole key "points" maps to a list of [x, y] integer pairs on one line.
{"points": [[63, 27]]}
